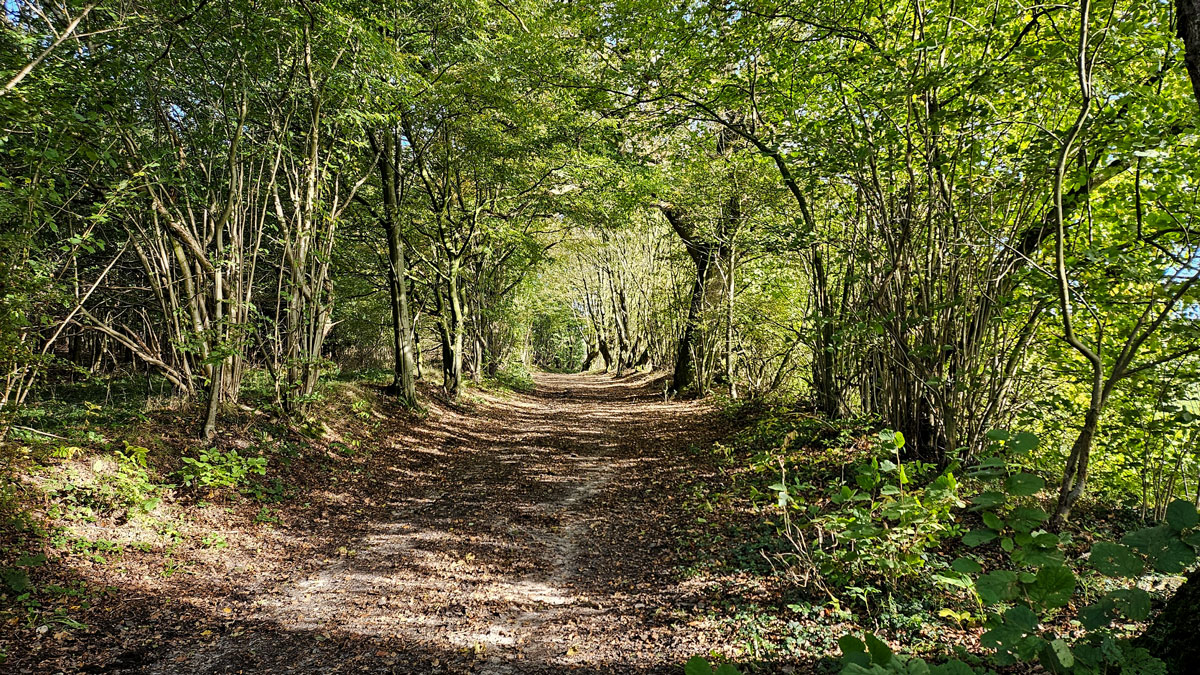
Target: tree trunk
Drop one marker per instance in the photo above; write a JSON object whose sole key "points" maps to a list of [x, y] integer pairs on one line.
{"points": [[1074, 480], [453, 342], [1187, 14], [403, 386], [707, 292]]}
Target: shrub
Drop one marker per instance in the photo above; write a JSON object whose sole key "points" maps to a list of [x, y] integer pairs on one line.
{"points": [[1035, 582], [216, 469], [515, 376], [883, 522]]}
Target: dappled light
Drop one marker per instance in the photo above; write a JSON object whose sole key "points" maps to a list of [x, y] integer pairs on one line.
{"points": [[530, 336]]}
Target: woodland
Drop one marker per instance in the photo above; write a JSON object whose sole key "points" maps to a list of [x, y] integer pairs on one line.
{"points": [[634, 336]]}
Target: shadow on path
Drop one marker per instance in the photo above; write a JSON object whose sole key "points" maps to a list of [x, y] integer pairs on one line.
{"points": [[533, 535]]}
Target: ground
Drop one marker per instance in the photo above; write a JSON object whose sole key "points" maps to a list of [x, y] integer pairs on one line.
{"points": [[525, 533]]}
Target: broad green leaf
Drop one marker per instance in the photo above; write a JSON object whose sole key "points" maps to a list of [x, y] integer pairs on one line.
{"points": [[1148, 539], [697, 665], [31, 560], [881, 654], [1023, 442], [1132, 603], [1004, 637], [1021, 617], [1053, 587], [1181, 515], [966, 566], [1024, 484], [998, 586], [1027, 518], [978, 537], [993, 521], [853, 650], [1058, 656], [1173, 558], [15, 579], [988, 499], [1099, 614], [952, 667], [1115, 560], [1162, 547]]}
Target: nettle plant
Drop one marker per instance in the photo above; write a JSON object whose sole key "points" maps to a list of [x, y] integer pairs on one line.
{"points": [[885, 521], [1035, 583]]}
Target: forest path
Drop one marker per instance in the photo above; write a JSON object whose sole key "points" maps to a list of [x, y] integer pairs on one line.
{"points": [[533, 534]]}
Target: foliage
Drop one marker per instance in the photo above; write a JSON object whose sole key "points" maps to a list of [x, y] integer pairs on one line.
{"points": [[121, 482], [515, 376], [214, 468], [887, 522], [698, 665], [1037, 583]]}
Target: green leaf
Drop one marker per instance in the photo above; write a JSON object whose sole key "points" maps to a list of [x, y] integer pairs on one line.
{"points": [[1148, 539], [727, 669], [978, 537], [697, 665], [993, 521], [1040, 557], [1163, 547], [1024, 484], [952, 667], [1057, 655], [966, 566], [1099, 614], [998, 586], [1027, 518], [853, 650], [1053, 587], [15, 579], [1181, 515], [30, 560], [1115, 560], [1004, 637], [881, 654], [988, 499], [1021, 617], [1132, 603], [1174, 557], [1023, 442]]}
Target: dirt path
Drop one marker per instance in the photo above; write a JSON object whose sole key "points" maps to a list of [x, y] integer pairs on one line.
{"points": [[533, 535]]}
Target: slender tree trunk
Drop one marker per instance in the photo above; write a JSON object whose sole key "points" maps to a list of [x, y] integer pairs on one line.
{"points": [[452, 336], [403, 385], [1187, 14], [1075, 473], [730, 361]]}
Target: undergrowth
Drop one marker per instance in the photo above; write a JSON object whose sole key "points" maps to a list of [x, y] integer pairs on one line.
{"points": [[850, 534]]}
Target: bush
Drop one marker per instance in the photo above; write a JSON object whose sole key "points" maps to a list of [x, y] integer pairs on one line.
{"points": [[516, 376], [882, 524], [1033, 582], [216, 469]]}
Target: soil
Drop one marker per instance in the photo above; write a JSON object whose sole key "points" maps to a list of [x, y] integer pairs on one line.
{"points": [[532, 533]]}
